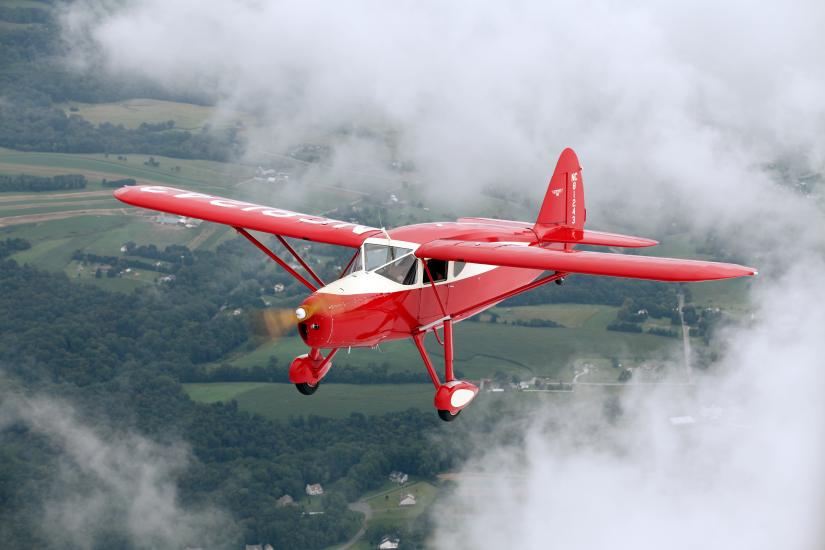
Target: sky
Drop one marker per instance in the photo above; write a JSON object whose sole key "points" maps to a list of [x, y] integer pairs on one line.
{"points": [[676, 112]]}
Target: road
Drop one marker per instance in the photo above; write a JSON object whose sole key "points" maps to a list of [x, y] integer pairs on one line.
{"points": [[364, 508], [685, 338]]}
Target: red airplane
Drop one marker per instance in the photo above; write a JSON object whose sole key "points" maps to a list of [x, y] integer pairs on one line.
{"points": [[408, 281]]}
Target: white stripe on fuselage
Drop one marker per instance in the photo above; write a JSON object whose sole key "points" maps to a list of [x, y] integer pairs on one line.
{"points": [[369, 282], [365, 282]]}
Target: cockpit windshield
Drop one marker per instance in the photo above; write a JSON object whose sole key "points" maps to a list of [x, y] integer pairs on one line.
{"points": [[377, 255], [393, 262]]}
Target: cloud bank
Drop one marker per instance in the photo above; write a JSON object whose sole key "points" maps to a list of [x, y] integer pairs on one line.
{"points": [[747, 475], [670, 107]]}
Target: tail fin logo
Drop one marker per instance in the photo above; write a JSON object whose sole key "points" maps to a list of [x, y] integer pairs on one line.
{"points": [[557, 192]]}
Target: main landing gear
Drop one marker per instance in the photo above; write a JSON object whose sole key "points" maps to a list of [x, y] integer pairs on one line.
{"points": [[307, 370], [453, 395]]}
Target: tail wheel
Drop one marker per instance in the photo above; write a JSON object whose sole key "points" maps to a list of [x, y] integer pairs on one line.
{"points": [[306, 388], [446, 415]]}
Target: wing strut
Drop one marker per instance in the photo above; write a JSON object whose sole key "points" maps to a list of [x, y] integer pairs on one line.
{"points": [[435, 291], [301, 261], [276, 259]]}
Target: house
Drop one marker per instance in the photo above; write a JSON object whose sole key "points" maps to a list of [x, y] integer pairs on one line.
{"points": [[399, 477], [315, 489], [388, 543], [168, 219], [407, 500], [285, 500]]}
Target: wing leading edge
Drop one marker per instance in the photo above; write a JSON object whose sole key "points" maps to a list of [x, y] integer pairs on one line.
{"points": [[590, 263], [245, 214]]}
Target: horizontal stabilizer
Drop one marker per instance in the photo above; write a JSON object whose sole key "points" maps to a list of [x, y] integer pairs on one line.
{"points": [[562, 234], [590, 263]]}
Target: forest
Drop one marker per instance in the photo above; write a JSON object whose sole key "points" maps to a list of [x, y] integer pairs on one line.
{"points": [[33, 81], [118, 359]]}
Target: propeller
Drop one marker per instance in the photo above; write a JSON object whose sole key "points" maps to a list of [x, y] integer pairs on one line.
{"points": [[272, 323]]}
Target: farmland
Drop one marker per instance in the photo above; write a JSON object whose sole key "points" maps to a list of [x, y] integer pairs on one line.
{"points": [[131, 113], [518, 350]]}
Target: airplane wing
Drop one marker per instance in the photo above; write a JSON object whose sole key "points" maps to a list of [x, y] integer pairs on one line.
{"points": [[245, 214], [590, 263]]}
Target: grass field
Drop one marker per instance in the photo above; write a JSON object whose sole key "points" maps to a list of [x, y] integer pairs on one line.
{"points": [[132, 113], [202, 174], [731, 295], [212, 393], [385, 506], [484, 348]]}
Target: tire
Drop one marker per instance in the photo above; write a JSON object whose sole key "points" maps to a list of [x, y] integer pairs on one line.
{"points": [[446, 415], [306, 389]]}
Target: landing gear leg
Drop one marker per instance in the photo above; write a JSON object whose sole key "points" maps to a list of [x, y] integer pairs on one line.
{"points": [[453, 395], [306, 371]]}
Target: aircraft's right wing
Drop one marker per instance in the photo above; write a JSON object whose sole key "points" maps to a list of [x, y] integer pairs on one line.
{"points": [[244, 214], [590, 263]]}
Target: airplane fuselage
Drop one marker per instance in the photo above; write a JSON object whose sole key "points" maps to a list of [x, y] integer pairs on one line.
{"points": [[392, 300]]}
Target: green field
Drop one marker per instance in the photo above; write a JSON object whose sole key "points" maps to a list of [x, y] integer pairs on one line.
{"points": [[481, 349], [202, 174], [384, 505], [279, 401], [132, 113], [730, 295]]}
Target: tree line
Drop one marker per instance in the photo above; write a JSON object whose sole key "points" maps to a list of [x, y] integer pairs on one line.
{"points": [[25, 182]]}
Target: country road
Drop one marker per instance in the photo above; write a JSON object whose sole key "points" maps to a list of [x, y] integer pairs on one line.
{"points": [[364, 508], [685, 337]]}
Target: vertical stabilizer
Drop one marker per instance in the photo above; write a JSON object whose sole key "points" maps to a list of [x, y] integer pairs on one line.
{"points": [[563, 204]]}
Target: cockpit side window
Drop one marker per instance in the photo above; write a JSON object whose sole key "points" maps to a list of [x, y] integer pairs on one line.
{"points": [[438, 269]]}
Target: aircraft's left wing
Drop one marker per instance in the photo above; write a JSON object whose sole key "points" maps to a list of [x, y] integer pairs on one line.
{"points": [[591, 263], [245, 214]]}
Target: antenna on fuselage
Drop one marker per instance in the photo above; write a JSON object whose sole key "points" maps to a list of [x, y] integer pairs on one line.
{"points": [[384, 230]]}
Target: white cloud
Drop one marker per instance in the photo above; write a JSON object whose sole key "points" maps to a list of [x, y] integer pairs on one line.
{"points": [[751, 478], [112, 483]]}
